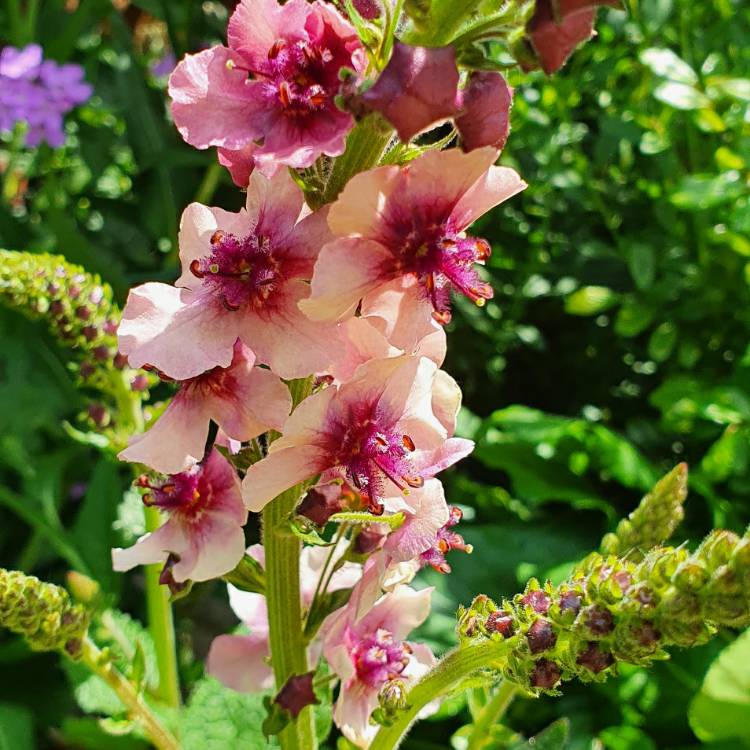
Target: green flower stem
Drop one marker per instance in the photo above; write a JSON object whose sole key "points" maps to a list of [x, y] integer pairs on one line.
{"points": [[282, 548], [365, 146], [491, 714], [136, 707], [446, 676], [161, 625]]}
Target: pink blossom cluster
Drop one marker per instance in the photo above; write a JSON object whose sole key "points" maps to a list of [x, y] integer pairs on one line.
{"points": [[354, 297]]}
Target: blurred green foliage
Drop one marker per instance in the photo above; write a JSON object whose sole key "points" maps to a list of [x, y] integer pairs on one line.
{"points": [[616, 346]]}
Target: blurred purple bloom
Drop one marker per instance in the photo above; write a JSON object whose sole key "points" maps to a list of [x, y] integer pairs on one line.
{"points": [[39, 93], [163, 67]]}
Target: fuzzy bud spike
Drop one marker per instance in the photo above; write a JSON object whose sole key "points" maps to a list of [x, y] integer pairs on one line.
{"points": [[654, 520]]}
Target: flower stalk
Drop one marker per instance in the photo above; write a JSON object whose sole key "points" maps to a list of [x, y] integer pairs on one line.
{"points": [[286, 636]]}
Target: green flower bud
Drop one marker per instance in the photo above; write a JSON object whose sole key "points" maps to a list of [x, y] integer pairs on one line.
{"points": [[42, 613]]}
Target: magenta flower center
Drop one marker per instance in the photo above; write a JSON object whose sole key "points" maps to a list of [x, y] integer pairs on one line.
{"points": [[177, 493], [369, 453], [442, 259], [239, 271], [379, 658]]}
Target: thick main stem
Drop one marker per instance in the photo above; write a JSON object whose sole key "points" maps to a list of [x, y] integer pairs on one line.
{"points": [[282, 550], [136, 707], [161, 625], [446, 676]]}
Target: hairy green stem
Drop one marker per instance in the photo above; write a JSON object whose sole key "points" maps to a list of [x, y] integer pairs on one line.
{"points": [[136, 707], [447, 674], [161, 625], [492, 712], [365, 146], [286, 636]]}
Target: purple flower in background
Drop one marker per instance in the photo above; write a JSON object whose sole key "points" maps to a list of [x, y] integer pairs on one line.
{"points": [[38, 92]]}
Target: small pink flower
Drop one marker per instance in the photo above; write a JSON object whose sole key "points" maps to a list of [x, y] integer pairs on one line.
{"points": [[243, 276], [241, 661], [275, 85], [559, 26], [445, 541], [243, 400], [417, 89], [368, 650], [203, 535], [380, 432], [406, 227]]}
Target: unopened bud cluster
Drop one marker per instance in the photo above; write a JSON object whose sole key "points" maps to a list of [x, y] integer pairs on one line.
{"points": [[614, 609], [42, 613], [81, 315], [653, 521]]}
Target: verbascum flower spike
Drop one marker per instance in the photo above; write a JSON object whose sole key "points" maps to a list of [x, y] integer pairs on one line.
{"points": [[81, 315], [42, 613], [615, 610], [653, 521]]}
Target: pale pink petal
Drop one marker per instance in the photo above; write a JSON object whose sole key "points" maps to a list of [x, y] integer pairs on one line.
{"points": [[417, 89], [492, 188], [419, 531], [291, 344], [443, 176], [399, 611], [306, 240], [161, 328], [279, 471], [241, 662], [354, 705], [306, 422], [249, 607], [217, 544], [446, 400], [175, 441], [404, 315], [197, 225], [486, 103], [345, 272], [240, 163], [274, 204], [359, 208], [210, 101], [256, 24], [150, 548], [363, 342], [431, 462], [226, 491], [256, 402]]}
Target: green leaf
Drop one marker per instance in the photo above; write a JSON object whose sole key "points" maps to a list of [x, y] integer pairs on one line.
{"points": [[699, 192], [554, 737], [666, 64], [590, 300], [217, 718], [681, 96], [642, 264], [626, 738], [721, 710], [662, 342], [92, 531], [739, 88], [16, 727]]}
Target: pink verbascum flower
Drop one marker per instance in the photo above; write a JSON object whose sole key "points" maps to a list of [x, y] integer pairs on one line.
{"points": [[367, 650], [243, 276], [275, 85], [379, 431], [559, 26], [408, 225], [203, 536], [241, 661], [243, 400]]}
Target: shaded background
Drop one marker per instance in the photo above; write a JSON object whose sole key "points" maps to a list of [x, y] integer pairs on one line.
{"points": [[615, 347]]}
